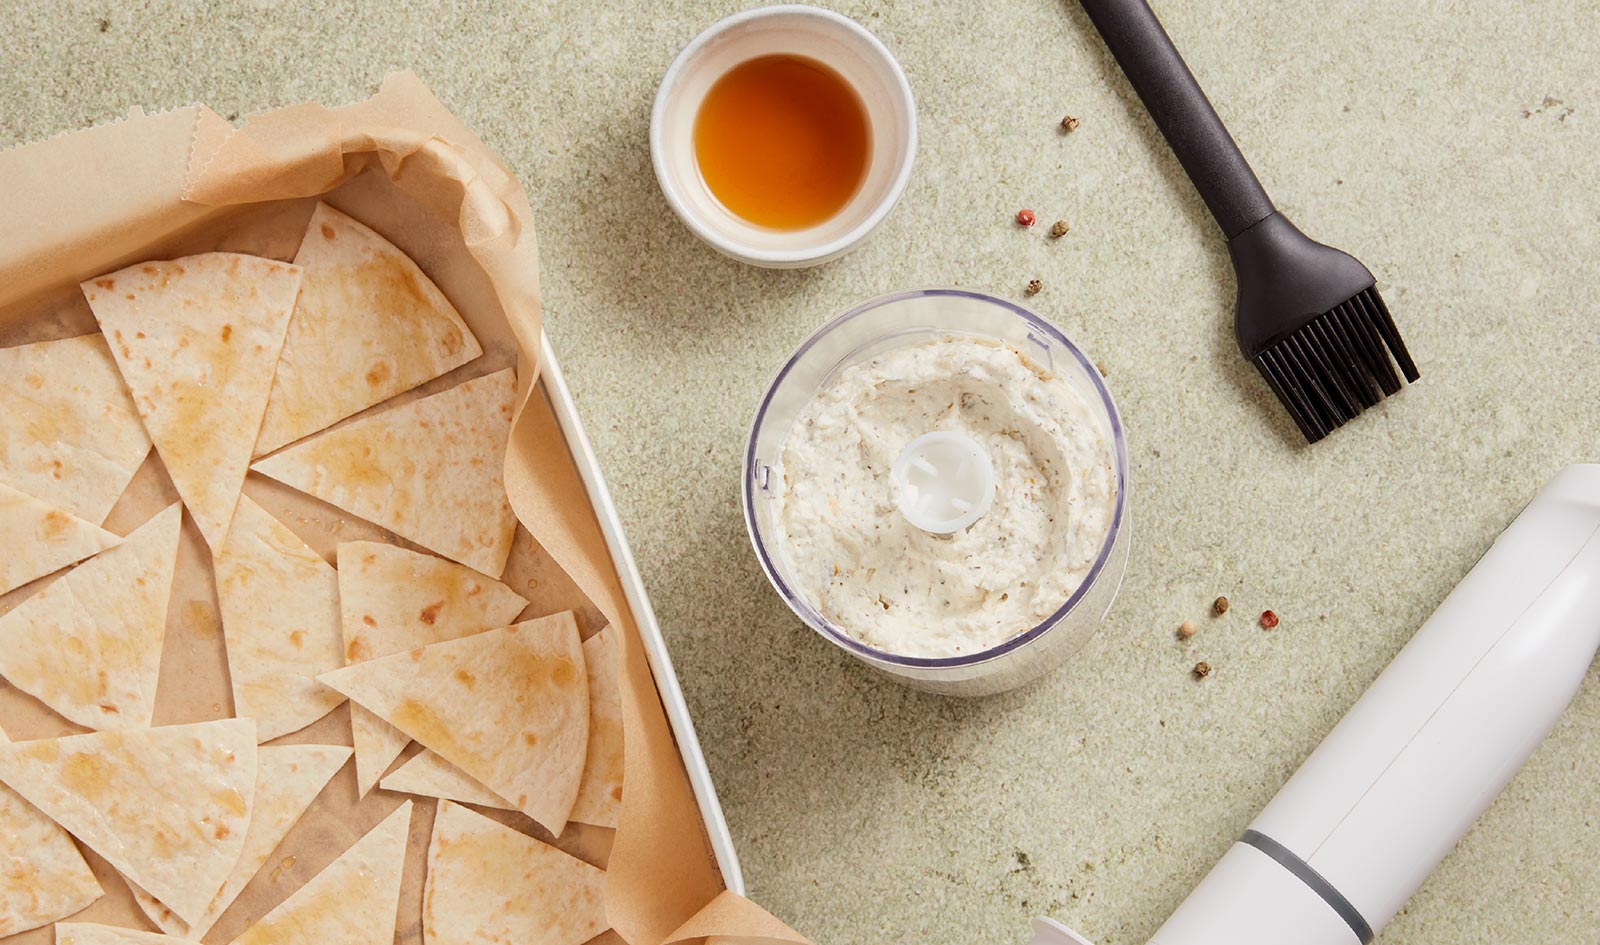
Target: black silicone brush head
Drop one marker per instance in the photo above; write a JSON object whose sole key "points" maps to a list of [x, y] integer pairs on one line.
{"points": [[1311, 320]]}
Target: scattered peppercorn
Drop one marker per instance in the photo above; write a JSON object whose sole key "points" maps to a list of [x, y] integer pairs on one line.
{"points": [[1219, 606], [1202, 669], [1268, 620], [1025, 217], [1058, 229], [1034, 285], [1070, 123], [1186, 629]]}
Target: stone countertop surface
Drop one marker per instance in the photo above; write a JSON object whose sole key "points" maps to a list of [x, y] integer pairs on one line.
{"points": [[1451, 147]]}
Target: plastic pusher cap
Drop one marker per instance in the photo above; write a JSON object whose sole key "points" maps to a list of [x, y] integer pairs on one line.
{"points": [[942, 482]]}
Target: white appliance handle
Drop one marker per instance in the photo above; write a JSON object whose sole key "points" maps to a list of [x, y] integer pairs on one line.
{"points": [[1419, 757]]}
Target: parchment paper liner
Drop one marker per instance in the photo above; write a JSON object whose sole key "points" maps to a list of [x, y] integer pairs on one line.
{"points": [[184, 181]]}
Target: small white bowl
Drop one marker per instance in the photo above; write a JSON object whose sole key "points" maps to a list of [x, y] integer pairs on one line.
{"points": [[836, 41]]}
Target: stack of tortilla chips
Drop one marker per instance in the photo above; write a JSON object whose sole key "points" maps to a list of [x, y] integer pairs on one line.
{"points": [[229, 365]]}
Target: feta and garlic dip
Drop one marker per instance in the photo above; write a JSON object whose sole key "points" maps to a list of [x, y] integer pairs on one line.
{"points": [[900, 589]]}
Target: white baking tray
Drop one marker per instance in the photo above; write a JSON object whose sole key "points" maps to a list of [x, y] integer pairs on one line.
{"points": [[560, 399]]}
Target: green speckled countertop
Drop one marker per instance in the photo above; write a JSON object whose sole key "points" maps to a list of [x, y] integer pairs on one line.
{"points": [[1451, 147]]}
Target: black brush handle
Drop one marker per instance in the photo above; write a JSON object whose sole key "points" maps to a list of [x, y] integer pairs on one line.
{"points": [[1182, 112]]}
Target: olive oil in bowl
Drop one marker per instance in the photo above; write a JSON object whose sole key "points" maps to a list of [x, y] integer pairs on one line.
{"points": [[782, 141]]}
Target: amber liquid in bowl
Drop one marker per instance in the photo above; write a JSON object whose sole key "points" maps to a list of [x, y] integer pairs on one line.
{"points": [[782, 141]]}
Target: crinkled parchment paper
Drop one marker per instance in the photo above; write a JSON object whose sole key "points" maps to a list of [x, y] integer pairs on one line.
{"points": [[187, 181]]}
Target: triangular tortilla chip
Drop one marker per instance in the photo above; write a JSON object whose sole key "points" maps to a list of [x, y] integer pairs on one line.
{"points": [[428, 775], [509, 707], [198, 340], [168, 807], [39, 538], [280, 620], [92, 933], [71, 435], [89, 645], [392, 600], [600, 791], [368, 325], [490, 885], [42, 875], [288, 779], [354, 901], [429, 470]]}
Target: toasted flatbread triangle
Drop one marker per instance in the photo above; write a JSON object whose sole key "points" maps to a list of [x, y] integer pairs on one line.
{"points": [[429, 470], [39, 538], [428, 775], [71, 435], [197, 340], [369, 325], [280, 619], [42, 875], [509, 707], [168, 807], [288, 779], [490, 885], [392, 600], [600, 792], [93, 933], [89, 645], [354, 901]]}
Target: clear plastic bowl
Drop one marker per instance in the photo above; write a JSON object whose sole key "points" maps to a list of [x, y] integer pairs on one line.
{"points": [[894, 321]]}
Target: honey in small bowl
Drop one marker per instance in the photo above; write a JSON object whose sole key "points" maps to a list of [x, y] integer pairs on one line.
{"points": [[782, 141]]}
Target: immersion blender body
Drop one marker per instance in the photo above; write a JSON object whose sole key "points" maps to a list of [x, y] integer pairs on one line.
{"points": [[1419, 757]]}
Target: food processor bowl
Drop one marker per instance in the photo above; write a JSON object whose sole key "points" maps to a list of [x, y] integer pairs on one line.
{"points": [[895, 321]]}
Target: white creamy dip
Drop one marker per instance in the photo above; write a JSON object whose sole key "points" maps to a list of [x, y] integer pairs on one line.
{"points": [[903, 590]]}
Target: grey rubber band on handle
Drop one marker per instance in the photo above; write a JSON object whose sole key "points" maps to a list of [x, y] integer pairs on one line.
{"points": [[1302, 871], [1182, 112]]}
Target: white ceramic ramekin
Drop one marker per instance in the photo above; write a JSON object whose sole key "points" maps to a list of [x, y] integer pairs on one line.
{"points": [[836, 41]]}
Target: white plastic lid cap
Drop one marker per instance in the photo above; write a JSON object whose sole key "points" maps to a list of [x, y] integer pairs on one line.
{"points": [[942, 482]]}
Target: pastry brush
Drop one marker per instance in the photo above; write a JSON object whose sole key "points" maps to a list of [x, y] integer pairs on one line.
{"points": [[1309, 317]]}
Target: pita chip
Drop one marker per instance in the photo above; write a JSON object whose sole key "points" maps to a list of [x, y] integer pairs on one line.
{"points": [[71, 437], [429, 470], [167, 807], [288, 779], [392, 600], [509, 707], [93, 933], [89, 645], [428, 775], [280, 620], [42, 875], [490, 885], [197, 340], [368, 325], [600, 792], [39, 538], [354, 901]]}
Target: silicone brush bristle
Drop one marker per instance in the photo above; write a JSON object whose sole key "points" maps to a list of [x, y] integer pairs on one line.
{"points": [[1337, 365]]}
